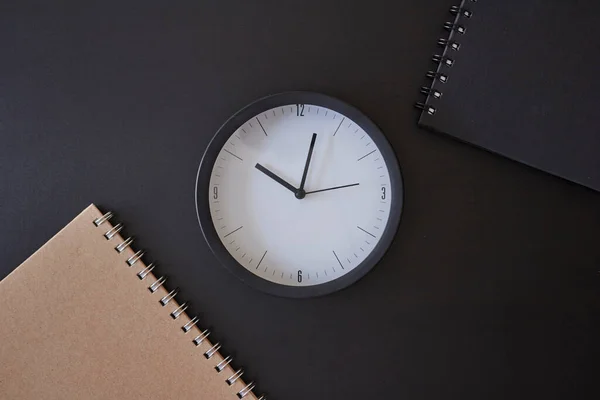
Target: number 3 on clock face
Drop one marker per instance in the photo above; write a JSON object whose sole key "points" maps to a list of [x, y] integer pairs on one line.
{"points": [[299, 194]]}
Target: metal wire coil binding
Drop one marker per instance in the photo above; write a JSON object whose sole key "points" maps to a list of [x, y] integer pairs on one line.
{"points": [[231, 380], [444, 60], [170, 296]]}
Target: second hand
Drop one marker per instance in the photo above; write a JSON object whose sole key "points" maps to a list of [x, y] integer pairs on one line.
{"points": [[333, 188]]}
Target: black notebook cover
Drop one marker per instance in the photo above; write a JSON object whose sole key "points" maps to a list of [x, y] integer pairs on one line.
{"points": [[524, 83]]}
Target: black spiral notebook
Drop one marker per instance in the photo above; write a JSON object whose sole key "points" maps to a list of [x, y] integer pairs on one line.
{"points": [[522, 79]]}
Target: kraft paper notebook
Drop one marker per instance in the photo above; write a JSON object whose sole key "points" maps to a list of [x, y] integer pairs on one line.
{"points": [[85, 318], [521, 79]]}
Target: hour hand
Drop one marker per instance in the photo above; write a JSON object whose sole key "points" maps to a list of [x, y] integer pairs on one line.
{"points": [[275, 178]]}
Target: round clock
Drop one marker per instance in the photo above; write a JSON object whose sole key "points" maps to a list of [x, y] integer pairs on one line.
{"points": [[299, 194]]}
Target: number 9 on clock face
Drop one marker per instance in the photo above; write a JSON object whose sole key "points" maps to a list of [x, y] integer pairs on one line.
{"points": [[299, 194]]}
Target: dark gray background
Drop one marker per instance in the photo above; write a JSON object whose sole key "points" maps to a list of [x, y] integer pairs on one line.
{"points": [[491, 288]]}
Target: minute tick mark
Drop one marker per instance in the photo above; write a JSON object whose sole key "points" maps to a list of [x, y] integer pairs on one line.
{"points": [[366, 155], [338, 128], [263, 256], [263, 129], [368, 233], [227, 151], [234, 231], [338, 260]]}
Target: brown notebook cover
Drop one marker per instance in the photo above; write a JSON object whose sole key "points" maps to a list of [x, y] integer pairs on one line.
{"points": [[76, 322]]}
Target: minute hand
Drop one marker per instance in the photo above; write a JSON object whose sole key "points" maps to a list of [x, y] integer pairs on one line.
{"points": [[333, 188]]}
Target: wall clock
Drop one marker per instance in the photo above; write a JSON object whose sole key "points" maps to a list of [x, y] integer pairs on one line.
{"points": [[299, 194]]}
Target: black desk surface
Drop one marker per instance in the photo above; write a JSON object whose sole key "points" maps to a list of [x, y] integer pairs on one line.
{"points": [[491, 288]]}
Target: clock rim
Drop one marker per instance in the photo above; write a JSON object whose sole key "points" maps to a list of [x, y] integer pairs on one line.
{"points": [[216, 145]]}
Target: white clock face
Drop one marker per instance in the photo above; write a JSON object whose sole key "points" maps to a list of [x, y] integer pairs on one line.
{"points": [[293, 235]]}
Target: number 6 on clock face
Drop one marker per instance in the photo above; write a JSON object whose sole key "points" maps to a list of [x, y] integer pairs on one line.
{"points": [[299, 194]]}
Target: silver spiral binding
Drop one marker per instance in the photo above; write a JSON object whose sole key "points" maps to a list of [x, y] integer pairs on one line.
{"points": [[158, 283], [175, 314], [116, 229], [439, 76], [438, 58], [452, 45], [143, 273], [186, 328], [455, 10], [450, 26], [221, 366], [165, 300], [170, 296], [123, 245], [211, 352], [445, 60], [422, 106], [134, 258], [200, 338], [247, 389], [427, 91], [231, 380]]}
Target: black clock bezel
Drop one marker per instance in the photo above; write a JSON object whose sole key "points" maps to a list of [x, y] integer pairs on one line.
{"points": [[228, 129]]}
